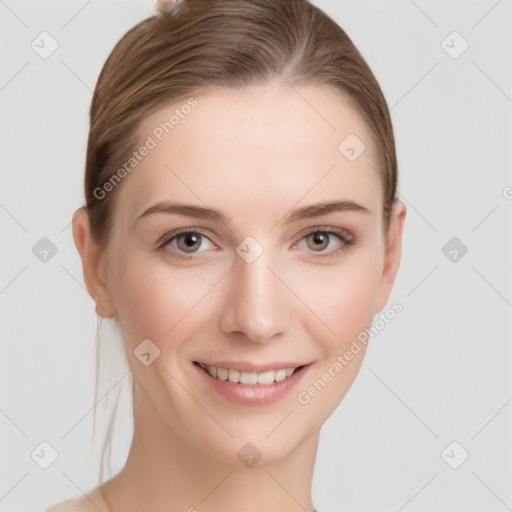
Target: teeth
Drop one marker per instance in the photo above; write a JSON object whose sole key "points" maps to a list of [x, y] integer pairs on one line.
{"points": [[233, 375], [280, 375], [249, 378], [222, 374], [266, 378]]}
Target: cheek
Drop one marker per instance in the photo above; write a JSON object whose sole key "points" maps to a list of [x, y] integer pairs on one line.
{"points": [[343, 298], [353, 307], [155, 299]]}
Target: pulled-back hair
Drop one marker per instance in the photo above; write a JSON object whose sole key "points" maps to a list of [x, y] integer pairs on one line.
{"points": [[231, 44]]}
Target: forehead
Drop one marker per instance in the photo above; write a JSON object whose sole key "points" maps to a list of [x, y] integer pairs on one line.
{"points": [[273, 144]]}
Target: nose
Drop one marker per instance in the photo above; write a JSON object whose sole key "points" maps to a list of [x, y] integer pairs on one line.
{"points": [[255, 302]]}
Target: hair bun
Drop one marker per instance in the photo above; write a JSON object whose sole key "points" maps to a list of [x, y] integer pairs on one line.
{"points": [[168, 8]]}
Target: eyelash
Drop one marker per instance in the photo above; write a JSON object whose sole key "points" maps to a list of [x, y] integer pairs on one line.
{"points": [[345, 237]]}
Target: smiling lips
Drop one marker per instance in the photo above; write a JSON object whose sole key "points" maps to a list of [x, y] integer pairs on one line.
{"points": [[250, 378], [249, 384]]}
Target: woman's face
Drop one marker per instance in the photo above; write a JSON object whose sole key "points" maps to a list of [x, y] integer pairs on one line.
{"points": [[213, 257]]}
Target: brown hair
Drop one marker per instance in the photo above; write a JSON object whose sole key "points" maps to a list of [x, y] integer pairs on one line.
{"points": [[231, 44], [225, 43]]}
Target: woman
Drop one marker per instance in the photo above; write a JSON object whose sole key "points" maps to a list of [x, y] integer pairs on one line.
{"points": [[242, 226]]}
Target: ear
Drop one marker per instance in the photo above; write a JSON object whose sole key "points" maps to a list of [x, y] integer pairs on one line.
{"points": [[393, 252], [93, 264]]}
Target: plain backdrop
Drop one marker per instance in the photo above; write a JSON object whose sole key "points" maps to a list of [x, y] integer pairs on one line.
{"points": [[435, 386]]}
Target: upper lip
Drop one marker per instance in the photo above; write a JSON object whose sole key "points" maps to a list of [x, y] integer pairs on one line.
{"points": [[246, 366]]}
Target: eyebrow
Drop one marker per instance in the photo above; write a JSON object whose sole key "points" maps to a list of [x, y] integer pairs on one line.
{"points": [[306, 212], [316, 210]]}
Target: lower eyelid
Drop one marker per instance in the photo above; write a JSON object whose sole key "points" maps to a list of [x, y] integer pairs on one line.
{"points": [[167, 239], [341, 241], [202, 237]]}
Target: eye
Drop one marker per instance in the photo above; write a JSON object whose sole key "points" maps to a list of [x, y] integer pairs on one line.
{"points": [[321, 239], [318, 240], [185, 243]]}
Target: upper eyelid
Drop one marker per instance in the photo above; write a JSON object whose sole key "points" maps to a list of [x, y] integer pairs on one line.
{"points": [[327, 229], [342, 234], [165, 239]]}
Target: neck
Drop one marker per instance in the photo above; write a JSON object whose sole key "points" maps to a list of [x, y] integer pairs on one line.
{"points": [[165, 472]]}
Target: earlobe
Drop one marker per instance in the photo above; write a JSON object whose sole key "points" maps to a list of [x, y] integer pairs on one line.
{"points": [[393, 252], [92, 259]]}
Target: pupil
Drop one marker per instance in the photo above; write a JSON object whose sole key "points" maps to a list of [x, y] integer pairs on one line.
{"points": [[320, 239], [189, 240]]}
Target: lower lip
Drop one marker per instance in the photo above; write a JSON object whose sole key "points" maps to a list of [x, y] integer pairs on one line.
{"points": [[255, 394]]}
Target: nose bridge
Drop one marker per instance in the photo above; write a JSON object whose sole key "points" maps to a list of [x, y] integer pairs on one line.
{"points": [[255, 304]]}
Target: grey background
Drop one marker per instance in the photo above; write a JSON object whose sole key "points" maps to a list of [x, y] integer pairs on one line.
{"points": [[439, 372]]}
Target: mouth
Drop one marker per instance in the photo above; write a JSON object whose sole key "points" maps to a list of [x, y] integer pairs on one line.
{"points": [[248, 384], [249, 378]]}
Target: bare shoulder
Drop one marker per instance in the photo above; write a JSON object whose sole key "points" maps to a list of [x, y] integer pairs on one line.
{"points": [[92, 502]]}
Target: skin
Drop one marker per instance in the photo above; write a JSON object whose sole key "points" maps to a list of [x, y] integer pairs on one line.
{"points": [[255, 155]]}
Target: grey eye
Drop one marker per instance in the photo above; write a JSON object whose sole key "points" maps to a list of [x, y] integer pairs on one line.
{"points": [[188, 242], [319, 240]]}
